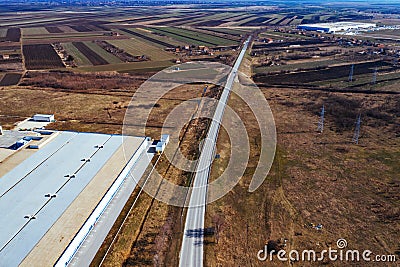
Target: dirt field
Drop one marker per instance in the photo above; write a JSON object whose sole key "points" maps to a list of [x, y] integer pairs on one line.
{"points": [[41, 56], [10, 79], [352, 190], [80, 102], [94, 58]]}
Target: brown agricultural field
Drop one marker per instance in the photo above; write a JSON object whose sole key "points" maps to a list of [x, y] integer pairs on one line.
{"points": [[54, 29], [152, 40], [81, 28], [10, 79], [41, 56], [94, 58], [351, 190], [80, 102], [13, 35]]}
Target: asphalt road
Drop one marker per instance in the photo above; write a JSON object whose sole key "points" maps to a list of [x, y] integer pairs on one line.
{"points": [[192, 245]]}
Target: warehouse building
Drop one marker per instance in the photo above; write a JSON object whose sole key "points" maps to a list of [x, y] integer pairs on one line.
{"points": [[336, 26], [49, 194]]}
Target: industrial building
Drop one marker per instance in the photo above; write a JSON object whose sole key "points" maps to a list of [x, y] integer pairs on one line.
{"points": [[52, 196], [38, 121], [160, 147], [336, 26], [43, 117]]}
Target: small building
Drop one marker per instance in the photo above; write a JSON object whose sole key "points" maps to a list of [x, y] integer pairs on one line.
{"points": [[43, 117], [160, 147], [165, 138]]}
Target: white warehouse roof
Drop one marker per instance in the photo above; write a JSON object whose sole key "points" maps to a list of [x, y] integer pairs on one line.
{"points": [[36, 193], [336, 26]]}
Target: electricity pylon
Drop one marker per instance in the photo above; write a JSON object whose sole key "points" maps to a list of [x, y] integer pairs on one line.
{"points": [[351, 73], [357, 130], [321, 120], [374, 76]]}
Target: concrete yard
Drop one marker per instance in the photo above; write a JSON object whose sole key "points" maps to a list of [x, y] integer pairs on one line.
{"points": [[36, 227], [31, 124], [9, 138]]}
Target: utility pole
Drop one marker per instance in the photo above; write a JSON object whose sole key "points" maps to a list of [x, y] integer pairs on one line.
{"points": [[351, 73], [321, 120], [357, 130], [374, 75]]}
